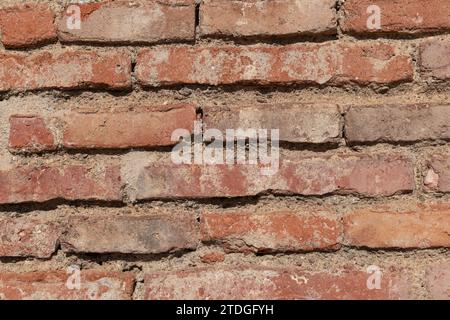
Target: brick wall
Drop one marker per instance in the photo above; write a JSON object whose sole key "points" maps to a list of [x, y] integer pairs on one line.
{"points": [[359, 207]]}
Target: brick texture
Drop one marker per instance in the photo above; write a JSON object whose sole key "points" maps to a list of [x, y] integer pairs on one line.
{"points": [[271, 232], [434, 59], [267, 18], [53, 285], [365, 175], [384, 227], [125, 22], [318, 123], [68, 69], [260, 64], [138, 128], [71, 182], [260, 283], [397, 123], [124, 234], [396, 16], [28, 237], [27, 25], [116, 129], [30, 133]]}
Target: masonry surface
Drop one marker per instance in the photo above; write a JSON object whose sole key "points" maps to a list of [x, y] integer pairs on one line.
{"points": [[86, 177]]}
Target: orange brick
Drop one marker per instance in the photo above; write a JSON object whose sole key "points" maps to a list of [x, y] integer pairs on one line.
{"points": [[27, 25], [423, 226], [271, 231]]}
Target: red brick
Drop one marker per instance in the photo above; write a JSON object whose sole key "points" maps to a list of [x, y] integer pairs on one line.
{"points": [[67, 69], [125, 22], [93, 129], [374, 63], [136, 128], [377, 175], [438, 280], [130, 234], [27, 25], [255, 283], [388, 226], [71, 182], [52, 285], [327, 63], [271, 232], [267, 18], [434, 59], [397, 16], [30, 133], [397, 123], [314, 123], [28, 237]]}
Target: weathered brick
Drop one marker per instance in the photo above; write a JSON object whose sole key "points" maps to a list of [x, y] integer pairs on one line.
{"points": [[30, 133], [327, 63], [136, 128], [130, 234], [397, 123], [271, 232], [28, 237], [27, 25], [374, 63], [67, 69], [92, 129], [56, 285], [377, 175], [315, 123], [126, 22], [267, 18], [255, 283], [434, 59], [438, 280], [396, 16], [437, 177], [422, 226], [71, 182]]}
